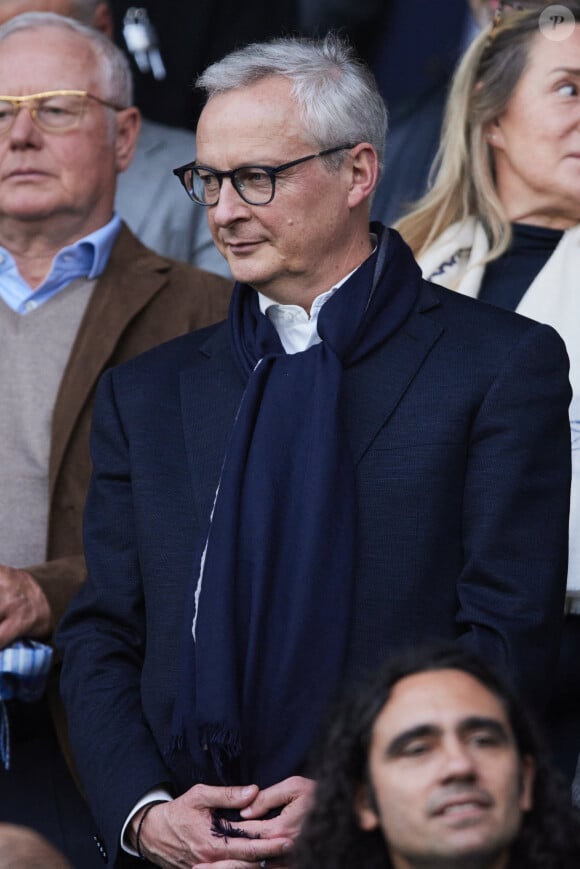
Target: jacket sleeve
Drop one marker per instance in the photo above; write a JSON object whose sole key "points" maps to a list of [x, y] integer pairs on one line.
{"points": [[515, 515], [102, 639]]}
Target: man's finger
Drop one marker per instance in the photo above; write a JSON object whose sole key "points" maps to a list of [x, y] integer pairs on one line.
{"points": [[223, 797]]}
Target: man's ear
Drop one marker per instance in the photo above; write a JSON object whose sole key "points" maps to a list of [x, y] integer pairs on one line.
{"points": [[128, 127], [528, 775], [365, 809], [365, 173]]}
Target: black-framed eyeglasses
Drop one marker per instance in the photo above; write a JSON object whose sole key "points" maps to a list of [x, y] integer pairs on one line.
{"points": [[52, 111], [255, 184]]}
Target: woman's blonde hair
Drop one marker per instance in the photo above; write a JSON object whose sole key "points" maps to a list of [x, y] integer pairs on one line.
{"points": [[462, 181]]}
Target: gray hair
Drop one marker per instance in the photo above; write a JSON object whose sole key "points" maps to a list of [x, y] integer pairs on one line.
{"points": [[336, 93], [114, 69], [463, 177]]}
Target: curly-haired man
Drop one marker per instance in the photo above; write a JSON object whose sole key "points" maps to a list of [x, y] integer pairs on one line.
{"points": [[435, 763]]}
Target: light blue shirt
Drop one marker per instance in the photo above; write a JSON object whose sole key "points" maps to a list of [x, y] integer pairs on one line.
{"points": [[87, 257]]}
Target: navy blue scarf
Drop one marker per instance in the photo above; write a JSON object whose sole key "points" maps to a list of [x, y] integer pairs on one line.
{"points": [[272, 609]]}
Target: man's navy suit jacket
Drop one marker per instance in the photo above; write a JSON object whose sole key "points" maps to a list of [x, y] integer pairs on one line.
{"points": [[459, 429]]}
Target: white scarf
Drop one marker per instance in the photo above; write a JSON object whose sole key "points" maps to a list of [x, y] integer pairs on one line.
{"points": [[553, 297]]}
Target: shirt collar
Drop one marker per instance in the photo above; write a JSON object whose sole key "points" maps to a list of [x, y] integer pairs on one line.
{"points": [[92, 252], [266, 303], [87, 257]]}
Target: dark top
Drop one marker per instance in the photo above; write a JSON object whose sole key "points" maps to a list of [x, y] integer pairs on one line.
{"points": [[507, 278]]}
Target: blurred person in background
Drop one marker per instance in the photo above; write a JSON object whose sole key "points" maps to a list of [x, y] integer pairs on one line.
{"points": [[415, 57], [190, 37]]}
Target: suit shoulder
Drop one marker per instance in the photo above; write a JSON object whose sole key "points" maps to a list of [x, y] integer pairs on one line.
{"points": [[172, 355], [477, 318]]}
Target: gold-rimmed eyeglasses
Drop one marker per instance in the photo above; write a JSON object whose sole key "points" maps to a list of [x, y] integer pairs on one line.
{"points": [[51, 111]]}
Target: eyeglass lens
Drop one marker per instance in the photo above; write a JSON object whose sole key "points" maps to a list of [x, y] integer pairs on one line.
{"points": [[255, 185], [58, 112]]}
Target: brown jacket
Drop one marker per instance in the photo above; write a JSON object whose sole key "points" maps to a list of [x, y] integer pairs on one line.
{"points": [[140, 300]]}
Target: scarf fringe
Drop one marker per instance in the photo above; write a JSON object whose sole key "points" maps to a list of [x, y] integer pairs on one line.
{"points": [[227, 741], [223, 745], [217, 742]]}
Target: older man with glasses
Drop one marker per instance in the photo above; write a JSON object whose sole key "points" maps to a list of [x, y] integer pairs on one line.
{"points": [[356, 460], [78, 293]]}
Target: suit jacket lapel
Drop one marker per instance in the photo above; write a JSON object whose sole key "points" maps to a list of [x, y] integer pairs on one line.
{"points": [[373, 388], [211, 390], [113, 304]]}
